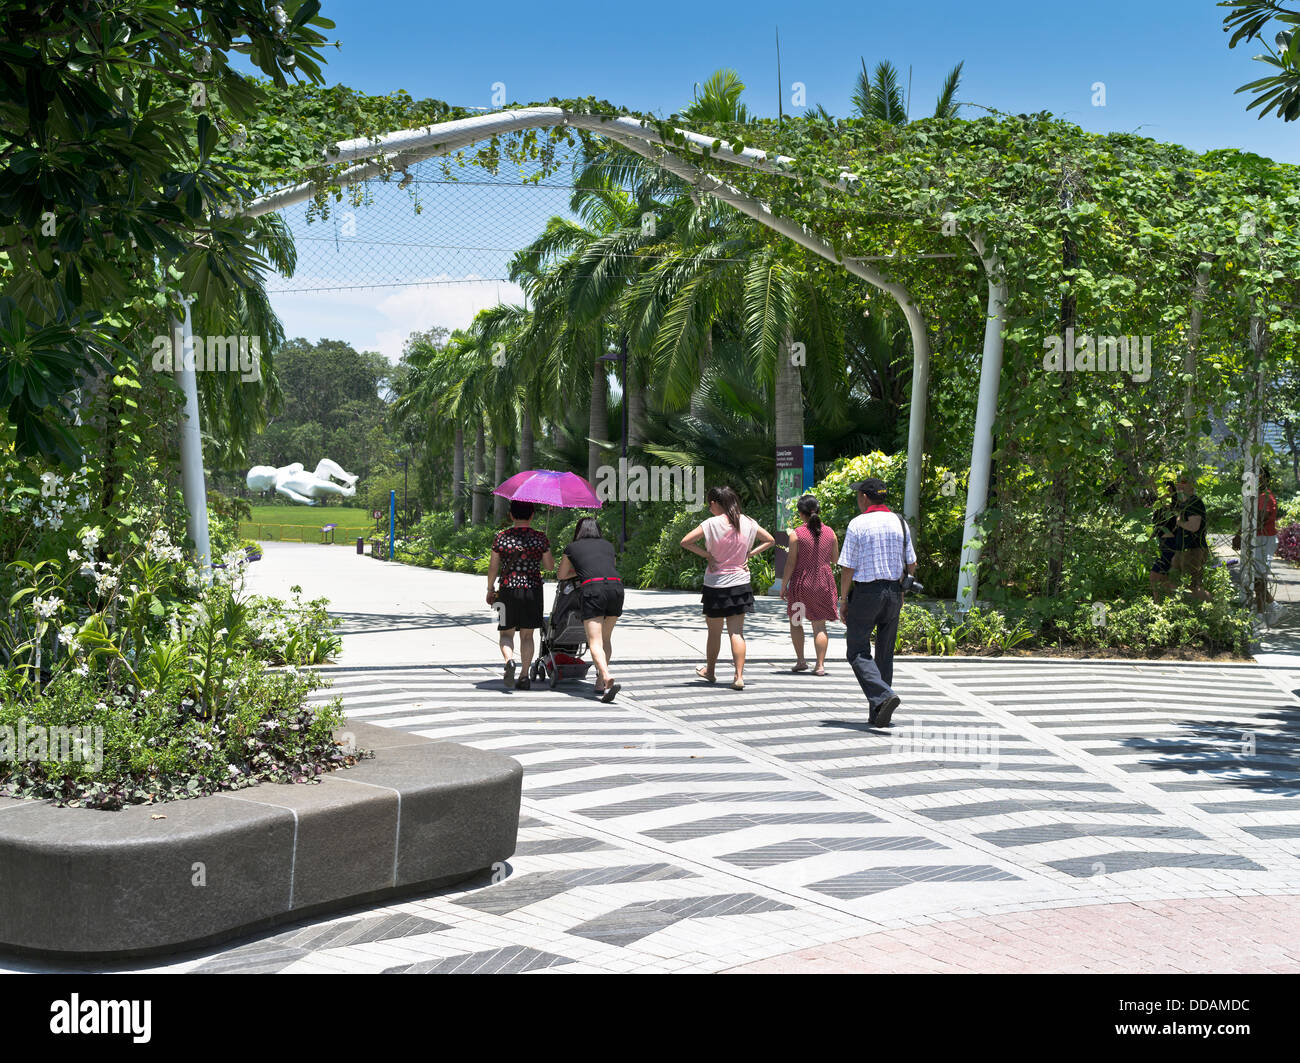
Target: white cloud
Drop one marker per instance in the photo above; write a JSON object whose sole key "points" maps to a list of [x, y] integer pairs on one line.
{"points": [[380, 319]]}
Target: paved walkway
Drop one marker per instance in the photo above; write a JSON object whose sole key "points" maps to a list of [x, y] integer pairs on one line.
{"points": [[1023, 815]]}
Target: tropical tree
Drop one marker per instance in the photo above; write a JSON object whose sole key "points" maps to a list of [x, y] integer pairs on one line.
{"points": [[1249, 20], [880, 95]]}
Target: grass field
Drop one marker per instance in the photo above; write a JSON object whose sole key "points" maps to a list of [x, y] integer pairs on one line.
{"points": [[302, 523]]}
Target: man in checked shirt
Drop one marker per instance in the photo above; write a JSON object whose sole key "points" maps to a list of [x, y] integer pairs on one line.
{"points": [[871, 594]]}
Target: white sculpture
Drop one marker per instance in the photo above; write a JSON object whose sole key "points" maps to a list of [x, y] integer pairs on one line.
{"points": [[294, 482]]}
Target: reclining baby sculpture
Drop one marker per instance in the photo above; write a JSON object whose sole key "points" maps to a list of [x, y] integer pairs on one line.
{"points": [[294, 482]]}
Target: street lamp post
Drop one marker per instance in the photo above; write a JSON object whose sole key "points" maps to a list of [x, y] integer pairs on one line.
{"points": [[406, 509], [621, 357]]}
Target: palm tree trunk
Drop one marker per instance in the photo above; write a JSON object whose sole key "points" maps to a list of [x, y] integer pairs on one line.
{"points": [[788, 398], [525, 437], [499, 503], [598, 422], [478, 502], [458, 480]]}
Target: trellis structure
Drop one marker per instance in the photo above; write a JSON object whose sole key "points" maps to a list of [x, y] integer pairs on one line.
{"points": [[401, 149], [673, 150]]}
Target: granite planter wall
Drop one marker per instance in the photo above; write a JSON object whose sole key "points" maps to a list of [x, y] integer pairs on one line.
{"points": [[422, 814]]}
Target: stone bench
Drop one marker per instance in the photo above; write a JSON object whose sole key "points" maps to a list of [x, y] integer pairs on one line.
{"points": [[419, 816]]}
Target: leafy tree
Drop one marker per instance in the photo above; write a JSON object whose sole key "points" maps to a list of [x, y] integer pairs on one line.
{"points": [[107, 142]]}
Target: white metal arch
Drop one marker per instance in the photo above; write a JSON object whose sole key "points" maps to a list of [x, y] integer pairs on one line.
{"points": [[406, 147]]}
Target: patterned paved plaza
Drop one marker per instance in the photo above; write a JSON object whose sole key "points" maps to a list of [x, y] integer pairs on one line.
{"points": [[1020, 815]]}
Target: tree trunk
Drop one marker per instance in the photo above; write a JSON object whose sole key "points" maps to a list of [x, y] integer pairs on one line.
{"points": [[1061, 480], [788, 398], [1259, 343], [1199, 294], [525, 437], [598, 422], [500, 504], [478, 501], [458, 480]]}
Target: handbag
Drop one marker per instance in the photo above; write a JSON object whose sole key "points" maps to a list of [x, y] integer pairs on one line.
{"points": [[907, 581]]}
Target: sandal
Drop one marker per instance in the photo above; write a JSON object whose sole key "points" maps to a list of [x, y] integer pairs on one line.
{"points": [[738, 684], [802, 666], [704, 674], [610, 691], [819, 671]]}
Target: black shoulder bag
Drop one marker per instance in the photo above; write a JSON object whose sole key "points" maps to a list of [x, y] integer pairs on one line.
{"points": [[907, 581]]}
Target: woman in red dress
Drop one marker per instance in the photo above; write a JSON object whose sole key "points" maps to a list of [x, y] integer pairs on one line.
{"points": [[809, 584]]}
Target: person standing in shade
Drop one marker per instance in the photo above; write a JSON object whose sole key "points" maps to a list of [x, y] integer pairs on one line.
{"points": [[729, 538], [877, 553], [519, 555], [809, 584], [1165, 519], [590, 559]]}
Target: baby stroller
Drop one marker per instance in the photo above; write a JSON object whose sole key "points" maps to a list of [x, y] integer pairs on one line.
{"points": [[563, 638]]}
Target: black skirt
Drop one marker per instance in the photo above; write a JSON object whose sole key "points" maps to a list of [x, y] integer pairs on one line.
{"points": [[601, 598], [728, 601], [519, 608]]}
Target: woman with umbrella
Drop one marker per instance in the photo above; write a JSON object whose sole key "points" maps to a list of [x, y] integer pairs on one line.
{"points": [[520, 553]]}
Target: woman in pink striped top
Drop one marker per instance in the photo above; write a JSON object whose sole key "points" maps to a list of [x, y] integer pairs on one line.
{"points": [[729, 537]]}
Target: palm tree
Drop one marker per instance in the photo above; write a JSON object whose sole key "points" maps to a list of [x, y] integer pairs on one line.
{"points": [[575, 275], [718, 100], [880, 96]]}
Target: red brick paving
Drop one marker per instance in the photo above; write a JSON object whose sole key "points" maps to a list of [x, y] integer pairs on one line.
{"points": [[1193, 936]]}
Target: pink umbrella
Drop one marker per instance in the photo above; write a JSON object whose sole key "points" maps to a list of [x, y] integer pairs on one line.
{"points": [[564, 489]]}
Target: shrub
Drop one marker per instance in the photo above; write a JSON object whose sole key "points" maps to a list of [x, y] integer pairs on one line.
{"points": [[1288, 542], [433, 543], [155, 747], [939, 527]]}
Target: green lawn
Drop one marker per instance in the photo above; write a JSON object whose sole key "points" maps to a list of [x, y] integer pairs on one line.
{"points": [[302, 523]]}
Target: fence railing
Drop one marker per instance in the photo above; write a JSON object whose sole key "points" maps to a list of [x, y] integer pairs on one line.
{"points": [[300, 533]]}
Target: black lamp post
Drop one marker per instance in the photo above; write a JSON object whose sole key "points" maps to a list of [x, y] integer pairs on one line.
{"points": [[405, 455], [621, 357]]}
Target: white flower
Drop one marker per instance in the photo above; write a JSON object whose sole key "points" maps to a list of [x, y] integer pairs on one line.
{"points": [[90, 539], [68, 634], [82, 669], [73, 556], [46, 607], [50, 481]]}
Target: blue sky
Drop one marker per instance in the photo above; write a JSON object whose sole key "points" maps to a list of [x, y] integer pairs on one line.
{"points": [[1165, 64]]}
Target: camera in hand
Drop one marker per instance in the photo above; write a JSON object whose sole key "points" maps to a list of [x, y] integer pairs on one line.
{"points": [[911, 583]]}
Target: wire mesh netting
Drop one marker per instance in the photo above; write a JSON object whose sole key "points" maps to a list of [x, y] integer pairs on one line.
{"points": [[440, 223]]}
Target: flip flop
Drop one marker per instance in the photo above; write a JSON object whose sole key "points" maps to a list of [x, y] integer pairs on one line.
{"points": [[703, 673], [819, 671], [799, 668], [738, 684], [610, 691]]}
